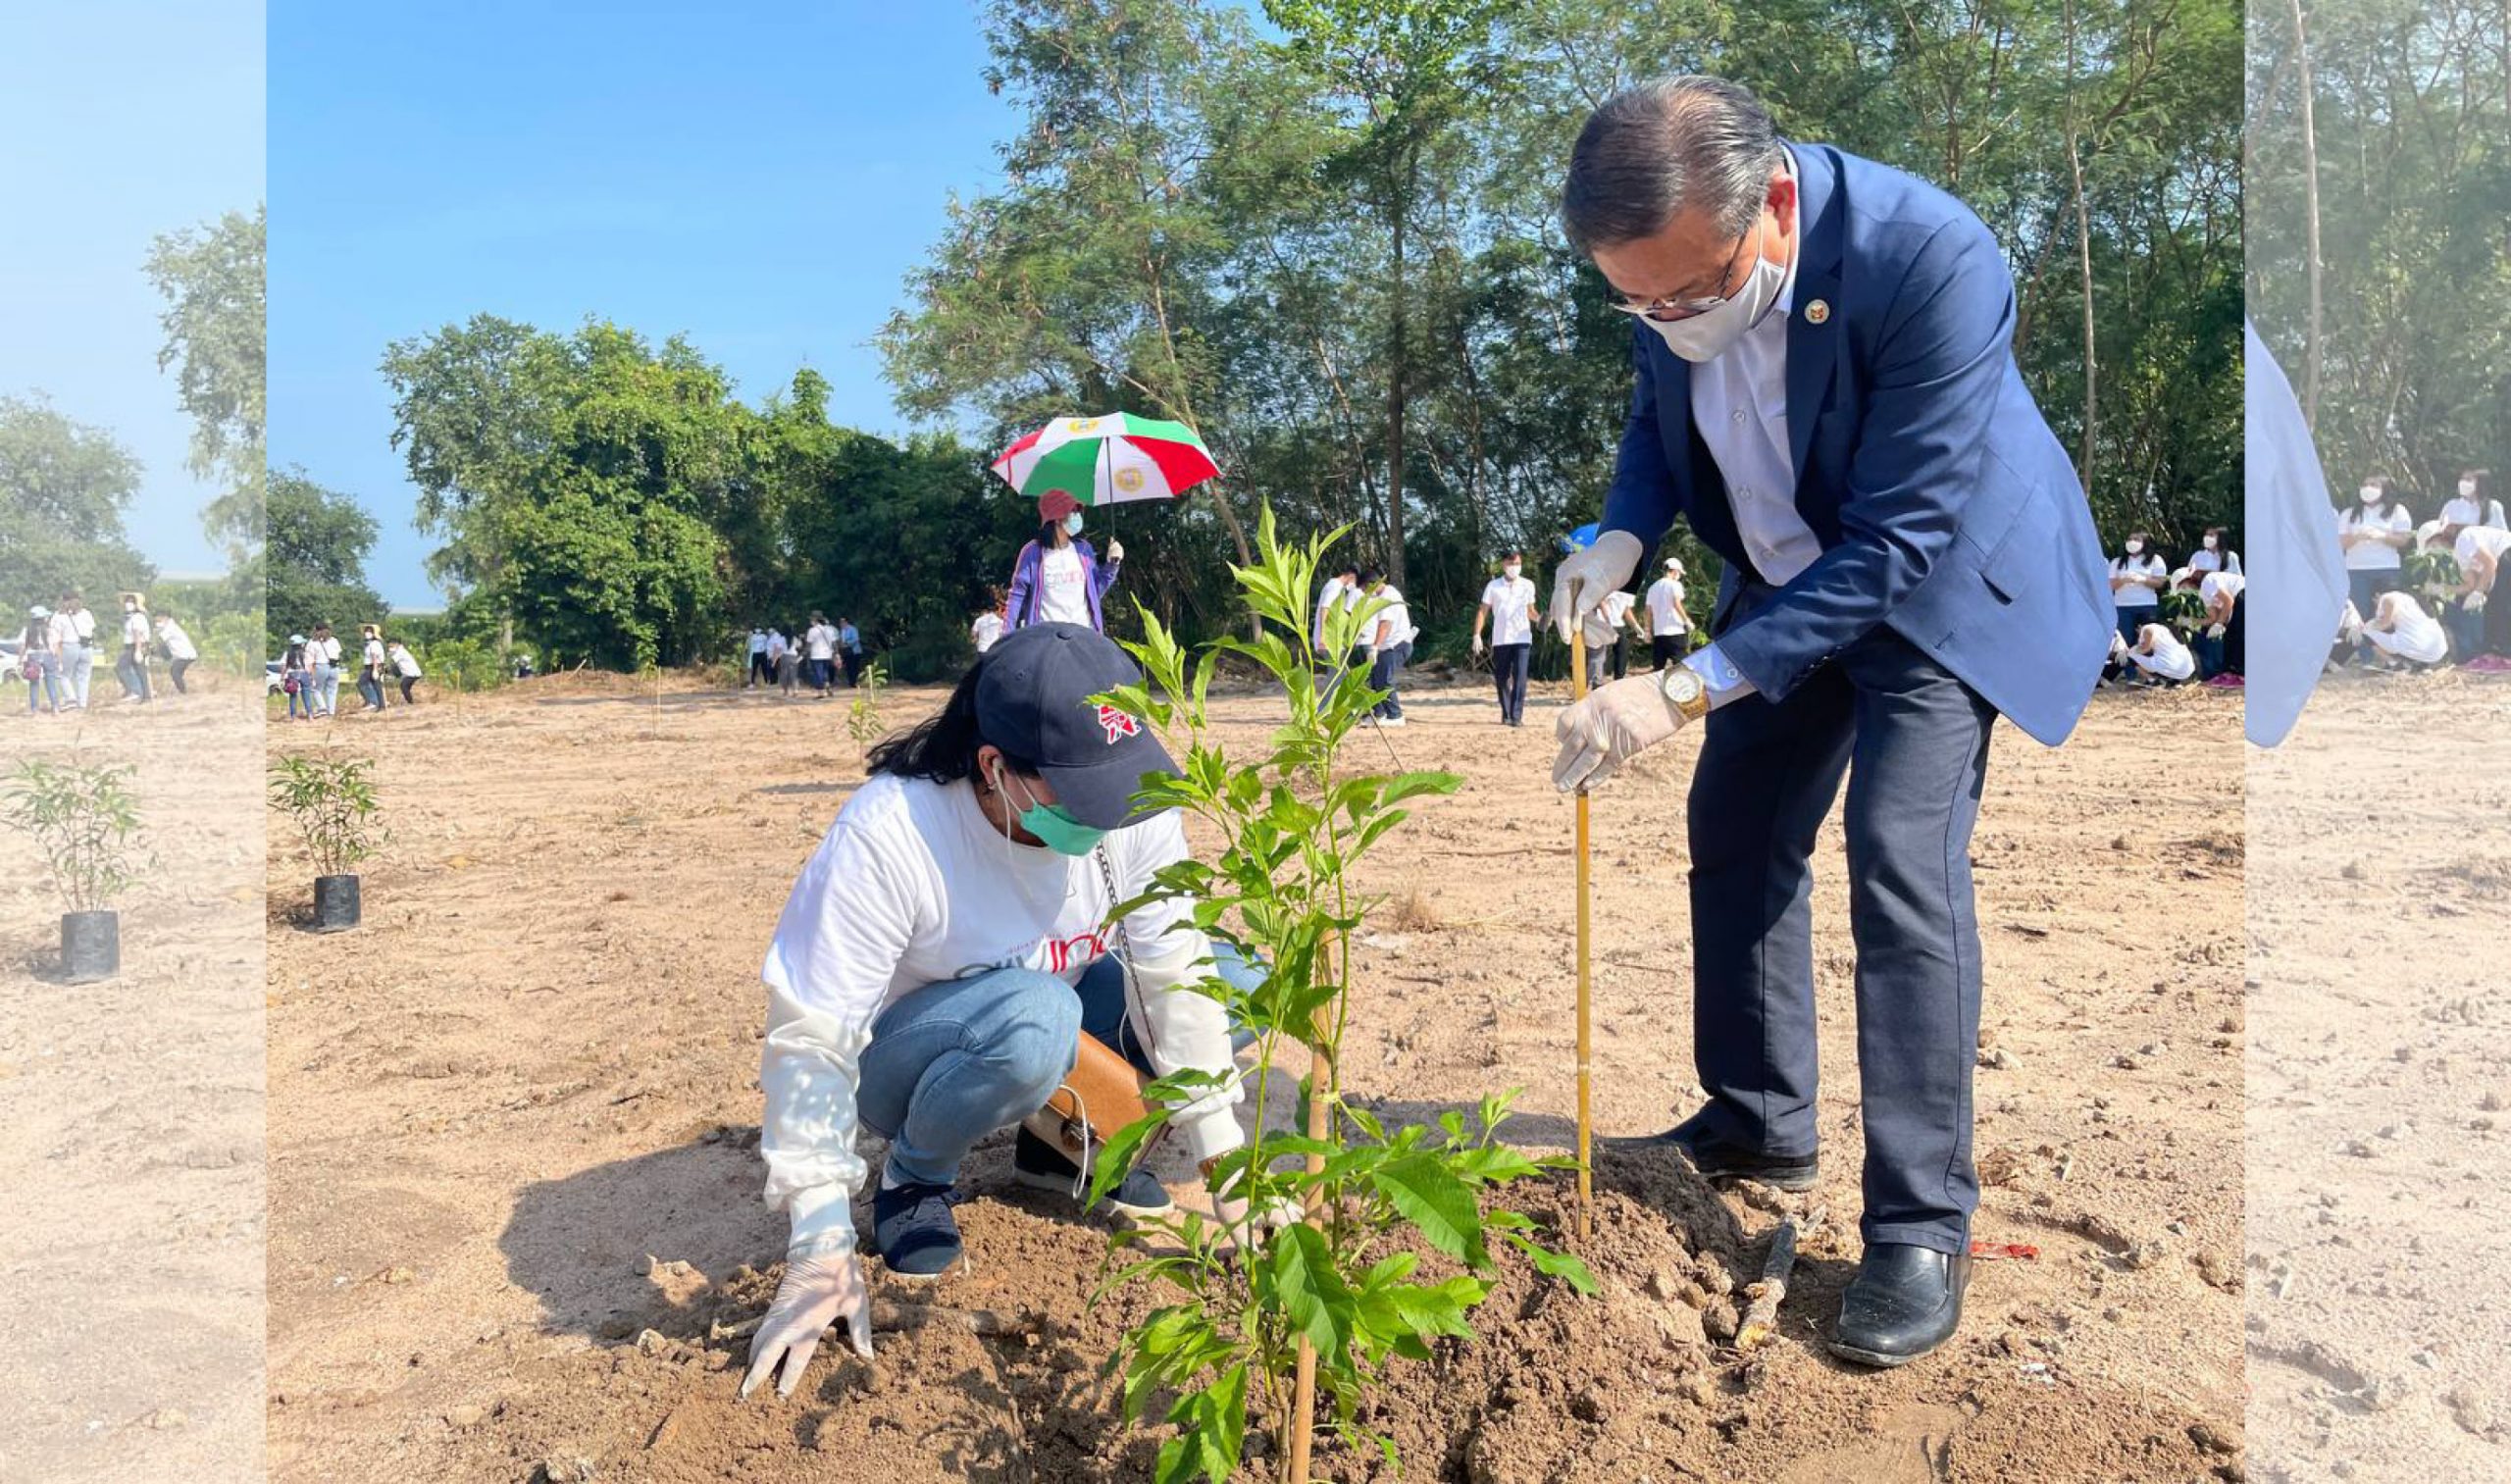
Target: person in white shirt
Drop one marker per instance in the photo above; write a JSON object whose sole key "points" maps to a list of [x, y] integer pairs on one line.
{"points": [[819, 644], [761, 672], [2159, 657], [2214, 553], [1390, 643], [39, 662], [180, 654], [2137, 576], [2220, 649], [1343, 587], [2374, 536], [406, 666], [2480, 551], [1603, 632], [1508, 602], [989, 627], [324, 652], [775, 656], [2400, 633], [73, 629], [945, 955], [2474, 505], [1059, 578], [1668, 626], [130, 667], [370, 669]]}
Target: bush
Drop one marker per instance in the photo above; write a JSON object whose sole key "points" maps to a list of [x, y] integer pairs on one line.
{"points": [[333, 805], [85, 820]]}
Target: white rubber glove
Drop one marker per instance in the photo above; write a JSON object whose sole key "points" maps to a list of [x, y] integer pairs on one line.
{"points": [[1612, 726], [1477, 644], [817, 1292], [2476, 602], [1590, 575], [1115, 549], [2215, 632]]}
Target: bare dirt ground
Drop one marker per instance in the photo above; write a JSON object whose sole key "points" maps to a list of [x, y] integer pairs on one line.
{"points": [[514, 1175], [131, 1167], [2379, 1086]]}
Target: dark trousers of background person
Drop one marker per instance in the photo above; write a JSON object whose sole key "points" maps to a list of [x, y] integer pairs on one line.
{"points": [[1508, 666], [369, 689], [2235, 637], [1913, 740], [760, 672], [133, 671], [1357, 660], [1596, 656], [2132, 620], [2497, 621], [2365, 587], [1670, 648], [823, 674], [1386, 675], [853, 659], [409, 684], [174, 669]]}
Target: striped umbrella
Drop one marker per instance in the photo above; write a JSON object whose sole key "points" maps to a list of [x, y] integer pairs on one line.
{"points": [[1108, 460]]}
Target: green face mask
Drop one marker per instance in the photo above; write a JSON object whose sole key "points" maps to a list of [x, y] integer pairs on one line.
{"points": [[1059, 831]]}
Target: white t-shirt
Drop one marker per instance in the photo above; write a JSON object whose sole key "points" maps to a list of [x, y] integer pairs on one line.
{"points": [[325, 652], [2374, 556], [2221, 585], [2464, 512], [1064, 595], [2203, 560], [1511, 604], [2493, 540], [2137, 595], [757, 642], [1665, 616], [2412, 633], [1605, 620], [775, 646], [374, 654], [83, 626], [2170, 659], [821, 639], [405, 661], [1395, 615], [177, 642], [62, 631], [135, 629], [988, 627]]}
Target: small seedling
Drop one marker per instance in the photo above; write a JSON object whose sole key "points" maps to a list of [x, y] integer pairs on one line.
{"points": [[863, 717], [334, 804], [85, 820], [1330, 1304]]}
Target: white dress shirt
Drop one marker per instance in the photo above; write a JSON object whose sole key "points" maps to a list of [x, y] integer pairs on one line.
{"points": [[1739, 403]]}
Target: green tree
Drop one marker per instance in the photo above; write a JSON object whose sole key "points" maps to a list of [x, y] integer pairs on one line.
{"points": [[63, 487], [213, 279], [319, 542]]}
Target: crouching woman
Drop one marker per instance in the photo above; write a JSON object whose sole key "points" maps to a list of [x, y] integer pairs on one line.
{"points": [[942, 957]]}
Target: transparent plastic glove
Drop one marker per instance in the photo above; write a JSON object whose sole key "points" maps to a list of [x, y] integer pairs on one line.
{"points": [[2214, 631], [1614, 723], [1115, 549], [1477, 644], [1588, 575], [2476, 602], [817, 1292]]}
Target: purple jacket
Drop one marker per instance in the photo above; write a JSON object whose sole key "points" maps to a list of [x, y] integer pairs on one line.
{"points": [[1028, 594]]}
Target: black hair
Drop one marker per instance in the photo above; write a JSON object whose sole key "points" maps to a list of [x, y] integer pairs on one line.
{"points": [[1653, 149], [2146, 555], [1370, 577], [2390, 502], [943, 747]]}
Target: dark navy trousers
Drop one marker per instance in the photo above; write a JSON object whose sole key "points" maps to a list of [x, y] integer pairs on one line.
{"points": [[1913, 741]]}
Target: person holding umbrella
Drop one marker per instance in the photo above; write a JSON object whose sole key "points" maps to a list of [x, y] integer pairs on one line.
{"points": [[1059, 578], [1076, 462]]}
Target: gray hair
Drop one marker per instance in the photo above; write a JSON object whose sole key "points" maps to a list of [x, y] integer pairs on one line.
{"points": [[1653, 149]]}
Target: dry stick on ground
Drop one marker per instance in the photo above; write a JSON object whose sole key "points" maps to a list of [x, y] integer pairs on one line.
{"points": [[1760, 1324]]}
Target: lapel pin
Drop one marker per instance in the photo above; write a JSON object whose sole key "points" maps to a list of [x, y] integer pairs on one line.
{"points": [[1817, 312]]}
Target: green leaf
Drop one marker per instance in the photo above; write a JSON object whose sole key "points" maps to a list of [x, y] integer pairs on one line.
{"points": [[1116, 1157], [1430, 1196], [1555, 1264], [1312, 1292]]}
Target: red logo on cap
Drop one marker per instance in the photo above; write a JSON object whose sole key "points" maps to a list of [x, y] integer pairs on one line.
{"points": [[1118, 724]]}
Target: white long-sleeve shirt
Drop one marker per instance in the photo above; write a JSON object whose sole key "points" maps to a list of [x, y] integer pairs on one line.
{"points": [[912, 887]]}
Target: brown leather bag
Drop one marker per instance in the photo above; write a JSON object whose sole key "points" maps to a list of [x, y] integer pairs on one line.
{"points": [[1101, 1094]]}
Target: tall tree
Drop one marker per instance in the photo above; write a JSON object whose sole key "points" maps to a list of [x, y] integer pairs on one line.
{"points": [[213, 279], [63, 487], [319, 543]]}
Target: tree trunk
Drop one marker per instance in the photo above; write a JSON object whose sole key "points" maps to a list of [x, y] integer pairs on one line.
{"points": [[2084, 252], [1395, 409], [2310, 217]]}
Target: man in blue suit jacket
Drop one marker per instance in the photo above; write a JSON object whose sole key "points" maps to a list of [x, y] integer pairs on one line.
{"points": [[1826, 390]]}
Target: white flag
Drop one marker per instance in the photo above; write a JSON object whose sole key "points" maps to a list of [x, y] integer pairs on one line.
{"points": [[2296, 592]]}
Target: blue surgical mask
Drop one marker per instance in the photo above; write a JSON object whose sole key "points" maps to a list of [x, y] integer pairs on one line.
{"points": [[1072, 524]]}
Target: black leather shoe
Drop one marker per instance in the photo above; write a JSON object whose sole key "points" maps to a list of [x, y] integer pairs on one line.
{"points": [[1904, 1302], [1718, 1160]]}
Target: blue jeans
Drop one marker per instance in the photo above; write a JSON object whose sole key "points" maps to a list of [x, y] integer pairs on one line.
{"points": [[77, 665], [43, 691], [2132, 619], [2365, 587], [1386, 675], [327, 691], [952, 1062], [132, 671]]}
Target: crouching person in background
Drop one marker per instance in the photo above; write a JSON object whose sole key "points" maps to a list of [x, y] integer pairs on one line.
{"points": [[946, 967]]}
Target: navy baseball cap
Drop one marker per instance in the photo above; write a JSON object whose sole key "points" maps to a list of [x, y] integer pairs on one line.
{"points": [[1033, 701]]}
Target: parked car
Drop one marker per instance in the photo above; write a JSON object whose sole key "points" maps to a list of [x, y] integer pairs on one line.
{"points": [[270, 679], [9, 651]]}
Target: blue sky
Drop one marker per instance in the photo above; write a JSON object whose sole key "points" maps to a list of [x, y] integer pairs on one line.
{"points": [[760, 176], [122, 121]]}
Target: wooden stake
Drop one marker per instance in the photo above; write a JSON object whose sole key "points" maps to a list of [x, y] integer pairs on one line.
{"points": [[1320, 1076], [1586, 1126]]}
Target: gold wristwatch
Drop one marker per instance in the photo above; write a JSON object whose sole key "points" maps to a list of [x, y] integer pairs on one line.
{"points": [[1684, 692]]}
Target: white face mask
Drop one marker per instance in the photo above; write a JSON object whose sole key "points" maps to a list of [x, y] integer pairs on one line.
{"points": [[2210, 544], [1512, 569], [2371, 494], [1704, 337], [2135, 548], [2467, 489]]}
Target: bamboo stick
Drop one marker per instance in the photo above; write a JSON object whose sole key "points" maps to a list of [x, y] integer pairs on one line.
{"points": [[1586, 1126], [1320, 1076]]}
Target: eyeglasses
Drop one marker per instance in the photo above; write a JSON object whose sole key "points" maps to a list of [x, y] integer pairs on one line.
{"points": [[1684, 309]]}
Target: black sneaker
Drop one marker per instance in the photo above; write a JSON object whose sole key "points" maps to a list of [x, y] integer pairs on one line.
{"points": [[1042, 1166], [1718, 1160], [914, 1230]]}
